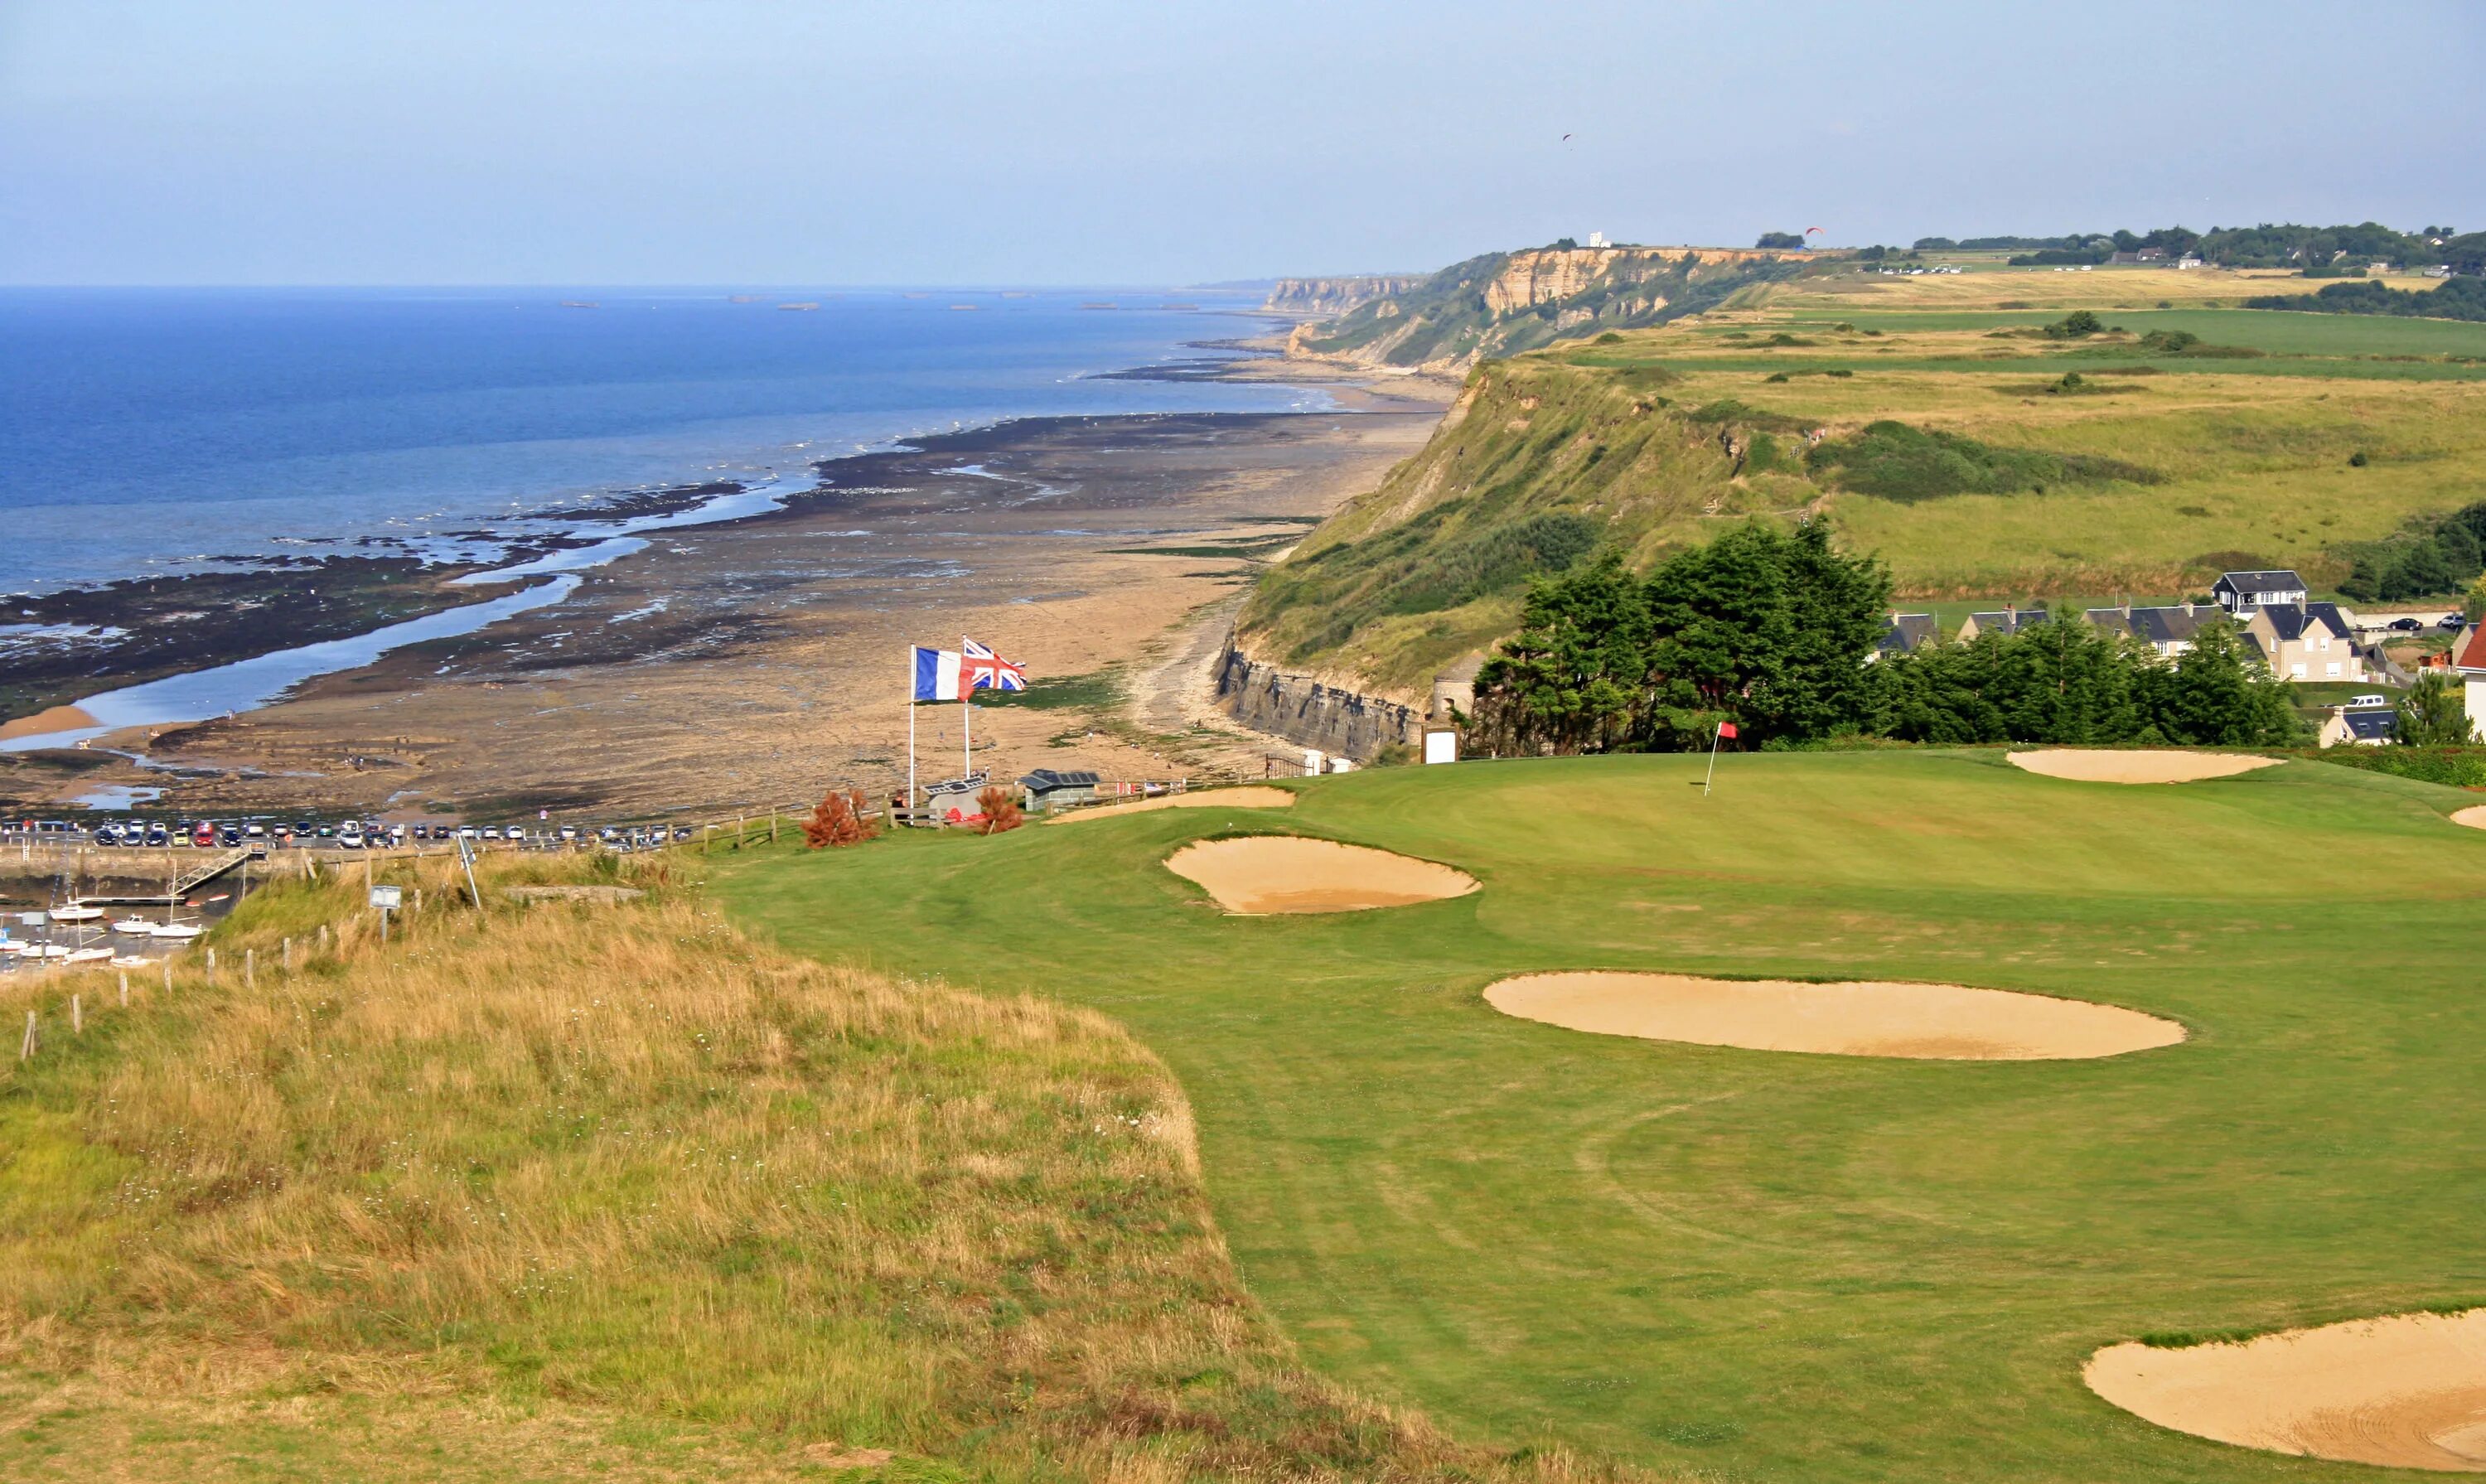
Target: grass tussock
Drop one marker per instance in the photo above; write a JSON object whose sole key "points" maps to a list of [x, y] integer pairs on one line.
{"points": [[584, 1188]]}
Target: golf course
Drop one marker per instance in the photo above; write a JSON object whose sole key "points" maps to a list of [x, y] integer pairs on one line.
{"points": [[1772, 1264]]}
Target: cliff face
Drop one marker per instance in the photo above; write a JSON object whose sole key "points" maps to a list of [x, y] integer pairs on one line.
{"points": [[1304, 710], [1506, 302], [1336, 296]]}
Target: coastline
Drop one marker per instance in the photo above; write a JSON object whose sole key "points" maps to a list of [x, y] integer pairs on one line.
{"points": [[1074, 543]]}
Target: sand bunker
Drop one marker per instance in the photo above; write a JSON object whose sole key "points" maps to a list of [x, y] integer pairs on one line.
{"points": [[1933, 1021], [2473, 817], [2142, 767], [1272, 873], [2408, 1391], [1253, 796]]}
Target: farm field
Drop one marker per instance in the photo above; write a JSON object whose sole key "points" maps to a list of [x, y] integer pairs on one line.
{"points": [[1762, 1265]]}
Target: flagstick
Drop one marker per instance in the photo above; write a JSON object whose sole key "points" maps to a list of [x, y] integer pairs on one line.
{"points": [[1713, 762]]}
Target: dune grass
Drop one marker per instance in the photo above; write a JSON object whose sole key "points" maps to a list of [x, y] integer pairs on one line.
{"points": [[1779, 1267], [581, 1190]]}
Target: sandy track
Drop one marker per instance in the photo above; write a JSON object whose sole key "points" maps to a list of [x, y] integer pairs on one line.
{"points": [[1276, 873], [1249, 796], [1931, 1021], [2137, 767], [2409, 1391], [2473, 817]]}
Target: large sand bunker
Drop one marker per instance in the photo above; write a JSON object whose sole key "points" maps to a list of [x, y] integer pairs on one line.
{"points": [[1270, 873], [1252, 796], [2473, 817], [1933, 1021], [2137, 767], [2408, 1391]]}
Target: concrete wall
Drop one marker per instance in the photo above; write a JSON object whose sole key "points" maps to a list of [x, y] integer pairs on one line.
{"points": [[1304, 711]]}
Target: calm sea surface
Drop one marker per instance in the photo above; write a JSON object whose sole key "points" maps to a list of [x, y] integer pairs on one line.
{"points": [[147, 431]]}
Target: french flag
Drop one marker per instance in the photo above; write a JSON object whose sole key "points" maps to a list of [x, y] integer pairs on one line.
{"points": [[936, 673]]}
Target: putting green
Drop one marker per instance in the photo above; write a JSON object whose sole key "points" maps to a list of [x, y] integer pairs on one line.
{"points": [[1760, 1266]]}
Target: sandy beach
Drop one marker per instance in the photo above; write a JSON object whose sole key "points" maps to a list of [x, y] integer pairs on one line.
{"points": [[760, 661]]}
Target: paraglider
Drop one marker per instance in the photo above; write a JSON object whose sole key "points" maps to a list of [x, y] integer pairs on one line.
{"points": [[1810, 231]]}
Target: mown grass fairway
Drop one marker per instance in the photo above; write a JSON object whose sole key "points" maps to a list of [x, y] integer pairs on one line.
{"points": [[1774, 1266]]}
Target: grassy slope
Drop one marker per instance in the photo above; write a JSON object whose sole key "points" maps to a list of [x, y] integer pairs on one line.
{"points": [[2255, 451], [597, 1192], [1781, 1267]]}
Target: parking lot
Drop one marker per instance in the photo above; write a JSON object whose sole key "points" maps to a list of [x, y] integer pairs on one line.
{"points": [[339, 835]]}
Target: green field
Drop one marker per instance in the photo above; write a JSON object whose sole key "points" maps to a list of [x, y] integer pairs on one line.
{"points": [[2281, 332], [1766, 1266]]}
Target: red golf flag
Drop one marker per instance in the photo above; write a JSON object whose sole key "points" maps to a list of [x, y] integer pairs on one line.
{"points": [[1725, 728]]}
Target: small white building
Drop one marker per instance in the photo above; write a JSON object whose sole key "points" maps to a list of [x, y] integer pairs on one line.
{"points": [[2240, 592], [2469, 657]]}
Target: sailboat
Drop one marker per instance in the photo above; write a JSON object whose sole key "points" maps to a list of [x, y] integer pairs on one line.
{"points": [[75, 911], [132, 925]]}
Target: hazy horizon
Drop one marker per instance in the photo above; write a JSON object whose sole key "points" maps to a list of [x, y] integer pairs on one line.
{"points": [[272, 143]]}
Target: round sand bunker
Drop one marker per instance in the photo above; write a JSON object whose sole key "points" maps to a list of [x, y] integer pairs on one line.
{"points": [[1272, 873], [2473, 817], [2137, 767], [1930, 1022], [2408, 1391], [1251, 796]]}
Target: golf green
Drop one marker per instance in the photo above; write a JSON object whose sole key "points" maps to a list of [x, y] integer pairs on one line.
{"points": [[1766, 1265]]}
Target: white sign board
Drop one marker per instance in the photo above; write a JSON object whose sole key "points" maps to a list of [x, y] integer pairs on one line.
{"points": [[31, 920], [388, 898], [1441, 745]]}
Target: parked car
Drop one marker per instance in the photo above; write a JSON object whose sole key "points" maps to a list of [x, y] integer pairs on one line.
{"points": [[2368, 700], [568, 833], [350, 836], [2450, 621]]}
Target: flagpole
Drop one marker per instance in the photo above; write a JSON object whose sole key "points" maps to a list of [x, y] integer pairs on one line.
{"points": [[910, 729], [1713, 761], [967, 728]]}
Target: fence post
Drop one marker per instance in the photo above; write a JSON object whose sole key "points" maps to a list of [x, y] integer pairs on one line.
{"points": [[324, 937], [77, 1016], [288, 955], [168, 971], [125, 989], [211, 968], [773, 824], [250, 968], [26, 1047]]}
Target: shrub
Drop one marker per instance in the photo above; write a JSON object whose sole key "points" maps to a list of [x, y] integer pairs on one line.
{"points": [[2079, 325], [1897, 462], [999, 809], [838, 821]]}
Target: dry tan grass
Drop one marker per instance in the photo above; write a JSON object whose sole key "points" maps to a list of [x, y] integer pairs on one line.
{"points": [[618, 1169]]}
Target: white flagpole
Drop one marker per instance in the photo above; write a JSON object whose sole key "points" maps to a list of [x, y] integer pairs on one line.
{"points": [[910, 728], [1713, 762], [967, 727]]}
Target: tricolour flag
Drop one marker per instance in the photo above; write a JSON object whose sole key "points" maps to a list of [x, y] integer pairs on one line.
{"points": [[936, 673], [982, 670]]}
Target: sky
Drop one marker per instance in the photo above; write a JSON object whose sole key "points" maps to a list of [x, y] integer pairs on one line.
{"points": [[273, 142]]}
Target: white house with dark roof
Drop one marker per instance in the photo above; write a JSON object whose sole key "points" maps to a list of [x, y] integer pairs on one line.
{"points": [[2360, 726], [2010, 621], [2469, 657], [2169, 631], [2240, 592], [2307, 642]]}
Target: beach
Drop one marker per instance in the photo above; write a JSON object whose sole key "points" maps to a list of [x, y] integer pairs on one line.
{"points": [[761, 660]]}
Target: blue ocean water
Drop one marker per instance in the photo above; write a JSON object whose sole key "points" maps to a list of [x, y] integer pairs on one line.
{"points": [[146, 432]]}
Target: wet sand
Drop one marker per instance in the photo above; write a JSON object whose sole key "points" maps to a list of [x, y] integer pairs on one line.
{"points": [[760, 661]]}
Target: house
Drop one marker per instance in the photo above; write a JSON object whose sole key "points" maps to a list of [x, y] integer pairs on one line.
{"points": [[2188, 261], [2307, 642], [1906, 633], [954, 800], [2169, 631], [2010, 621], [1050, 788], [2469, 657], [2240, 592], [2361, 726]]}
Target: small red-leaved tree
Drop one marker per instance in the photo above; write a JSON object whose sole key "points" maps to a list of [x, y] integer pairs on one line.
{"points": [[839, 821], [1001, 811]]}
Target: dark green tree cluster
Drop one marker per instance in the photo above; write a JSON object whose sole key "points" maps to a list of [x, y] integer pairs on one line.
{"points": [[2428, 563], [2070, 683], [2459, 299], [1764, 627], [2268, 245], [1781, 239], [1773, 629]]}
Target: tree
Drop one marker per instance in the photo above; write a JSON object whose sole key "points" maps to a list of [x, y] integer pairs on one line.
{"points": [[2433, 714], [2079, 325], [1781, 239], [2217, 694], [1767, 628], [1573, 675], [838, 821]]}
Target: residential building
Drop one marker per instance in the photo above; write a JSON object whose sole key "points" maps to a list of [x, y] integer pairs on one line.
{"points": [[2469, 657], [2307, 642], [2170, 631], [2240, 592], [2010, 621], [2360, 726], [1907, 632]]}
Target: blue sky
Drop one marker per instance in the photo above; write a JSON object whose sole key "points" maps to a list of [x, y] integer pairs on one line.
{"points": [[264, 142]]}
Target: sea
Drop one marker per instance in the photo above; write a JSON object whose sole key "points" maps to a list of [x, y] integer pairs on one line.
{"points": [[154, 431]]}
